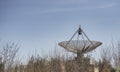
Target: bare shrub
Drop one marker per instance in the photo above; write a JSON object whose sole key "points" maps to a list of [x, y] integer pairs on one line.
{"points": [[8, 54], [106, 62]]}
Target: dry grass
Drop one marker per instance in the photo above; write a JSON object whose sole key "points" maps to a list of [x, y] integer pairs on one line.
{"points": [[53, 64]]}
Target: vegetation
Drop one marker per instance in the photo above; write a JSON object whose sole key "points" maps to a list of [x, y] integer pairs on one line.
{"points": [[109, 62]]}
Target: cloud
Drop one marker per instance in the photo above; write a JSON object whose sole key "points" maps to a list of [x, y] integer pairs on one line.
{"points": [[70, 1], [54, 10], [107, 5], [78, 8]]}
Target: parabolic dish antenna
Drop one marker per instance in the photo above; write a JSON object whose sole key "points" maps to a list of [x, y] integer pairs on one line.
{"points": [[76, 46], [80, 46]]}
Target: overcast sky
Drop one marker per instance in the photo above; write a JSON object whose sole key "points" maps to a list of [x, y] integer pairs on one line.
{"points": [[40, 24]]}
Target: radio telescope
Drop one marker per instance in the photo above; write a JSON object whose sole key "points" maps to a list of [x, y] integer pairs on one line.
{"points": [[80, 46]]}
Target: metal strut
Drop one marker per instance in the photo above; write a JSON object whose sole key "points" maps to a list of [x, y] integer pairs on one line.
{"points": [[79, 31]]}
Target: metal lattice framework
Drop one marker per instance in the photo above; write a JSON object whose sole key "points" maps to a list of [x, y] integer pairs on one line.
{"points": [[80, 46]]}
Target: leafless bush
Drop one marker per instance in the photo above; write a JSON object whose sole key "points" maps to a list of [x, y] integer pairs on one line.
{"points": [[110, 58], [8, 54]]}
